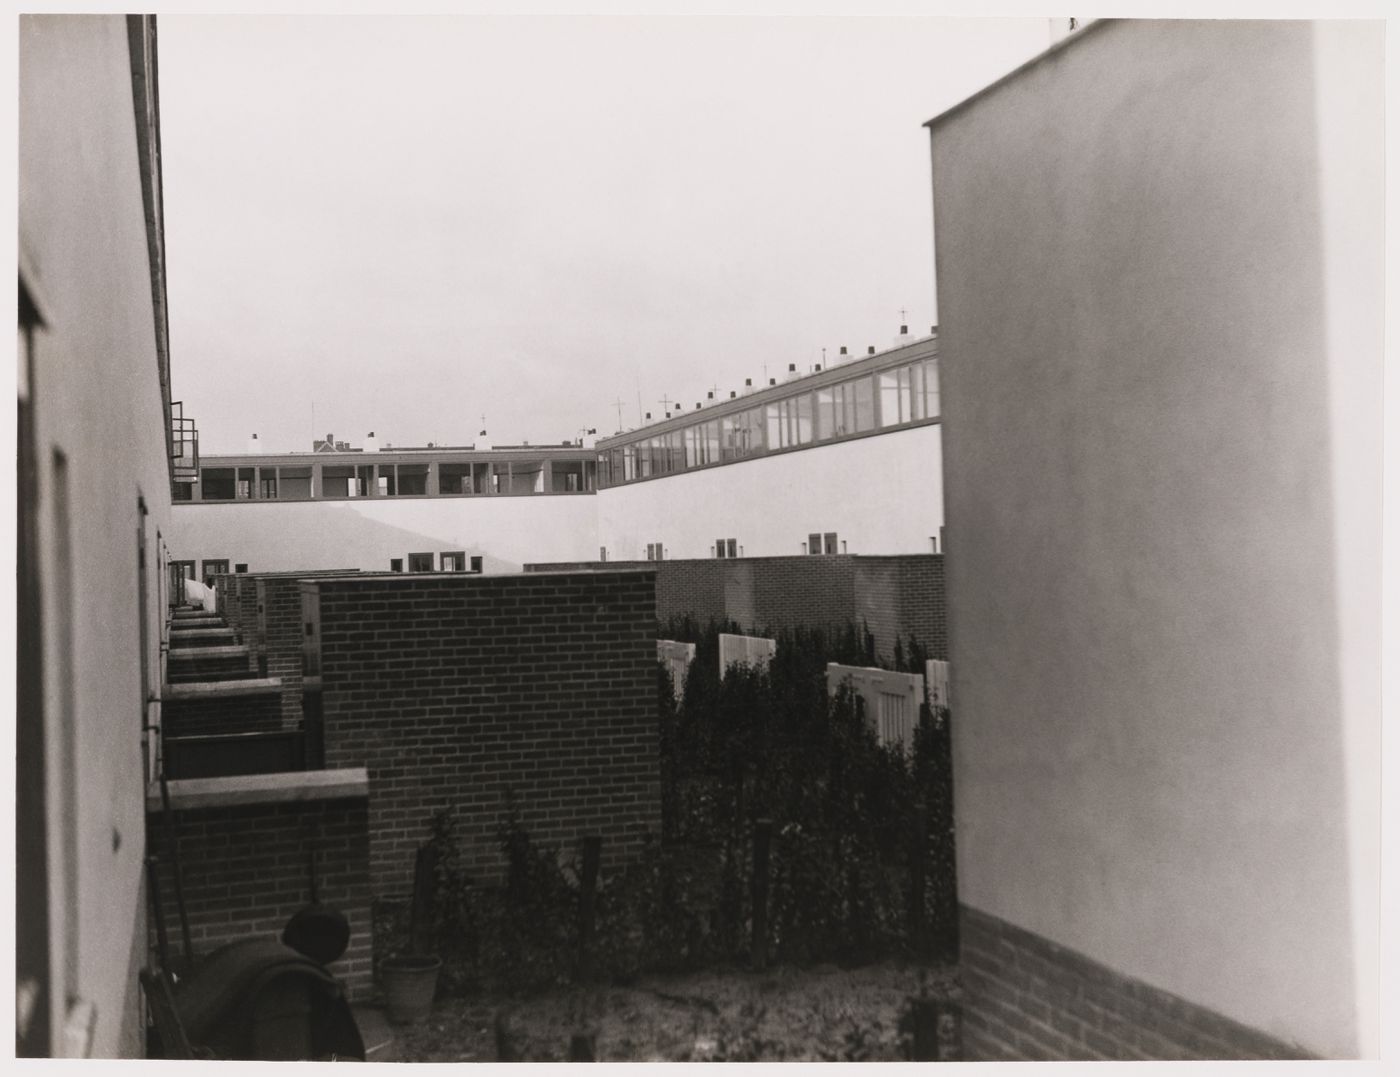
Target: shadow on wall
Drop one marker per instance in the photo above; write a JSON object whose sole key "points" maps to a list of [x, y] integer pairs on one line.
{"points": [[311, 536]]}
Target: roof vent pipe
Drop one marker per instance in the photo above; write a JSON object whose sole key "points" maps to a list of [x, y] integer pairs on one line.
{"points": [[254, 447], [870, 350], [792, 372], [371, 443], [482, 441], [748, 386]]}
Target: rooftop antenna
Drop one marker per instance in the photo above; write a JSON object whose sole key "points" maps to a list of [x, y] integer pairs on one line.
{"points": [[903, 315], [618, 404], [666, 403]]}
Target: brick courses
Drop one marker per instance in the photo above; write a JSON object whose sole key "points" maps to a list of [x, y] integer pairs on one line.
{"points": [[245, 872], [457, 690], [233, 714], [1026, 998], [896, 596]]}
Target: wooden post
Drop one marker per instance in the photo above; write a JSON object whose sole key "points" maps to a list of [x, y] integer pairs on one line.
{"points": [[421, 909], [925, 1030], [918, 935], [582, 1048], [588, 890], [762, 836]]}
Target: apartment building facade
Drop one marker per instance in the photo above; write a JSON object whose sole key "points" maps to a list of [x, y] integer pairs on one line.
{"points": [[97, 460], [811, 465]]}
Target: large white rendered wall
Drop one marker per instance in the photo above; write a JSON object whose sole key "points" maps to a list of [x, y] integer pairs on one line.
{"points": [[880, 494], [97, 405], [1159, 281], [506, 532]]}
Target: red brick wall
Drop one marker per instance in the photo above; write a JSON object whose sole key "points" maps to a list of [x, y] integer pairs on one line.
{"points": [[1027, 999], [896, 596], [232, 714], [455, 690], [245, 873], [900, 596]]}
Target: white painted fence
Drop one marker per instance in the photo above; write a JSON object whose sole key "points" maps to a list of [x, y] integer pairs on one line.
{"points": [[677, 657], [755, 651], [891, 700], [937, 674]]}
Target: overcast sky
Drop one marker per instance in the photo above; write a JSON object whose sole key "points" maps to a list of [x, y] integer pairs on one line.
{"points": [[409, 223]]}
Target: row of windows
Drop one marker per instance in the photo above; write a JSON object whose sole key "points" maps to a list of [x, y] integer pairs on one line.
{"points": [[893, 397], [391, 480], [450, 561]]}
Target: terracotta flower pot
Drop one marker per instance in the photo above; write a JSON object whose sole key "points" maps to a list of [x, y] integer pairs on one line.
{"points": [[409, 983]]}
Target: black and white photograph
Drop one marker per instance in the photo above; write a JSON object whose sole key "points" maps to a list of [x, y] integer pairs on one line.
{"points": [[675, 536]]}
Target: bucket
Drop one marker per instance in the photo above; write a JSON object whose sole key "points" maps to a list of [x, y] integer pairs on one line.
{"points": [[409, 984]]}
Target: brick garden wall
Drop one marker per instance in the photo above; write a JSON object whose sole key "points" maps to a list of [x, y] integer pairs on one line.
{"points": [[1028, 999], [276, 635], [237, 601], [245, 872], [896, 595], [457, 690], [232, 714]]}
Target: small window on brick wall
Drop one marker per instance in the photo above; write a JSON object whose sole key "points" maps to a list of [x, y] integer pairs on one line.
{"points": [[655, 551], [821, 543], [420, 562], [454, 562], [726, 548]]}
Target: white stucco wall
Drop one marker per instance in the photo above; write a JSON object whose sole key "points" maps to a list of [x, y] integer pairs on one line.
{"points": [[880, 494], [96, 399], [276, 536], [873, 492], [1159, 280]]}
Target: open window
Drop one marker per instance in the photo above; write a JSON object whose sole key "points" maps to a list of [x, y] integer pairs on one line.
{"points": [[454, 562], [216, 483], [455, 479], [337, 481], [412, 480]]}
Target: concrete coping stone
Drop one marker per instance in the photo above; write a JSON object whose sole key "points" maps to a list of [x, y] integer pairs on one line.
{"points": [[200, 654], [249, 686], [177, 633], [289, 787]]}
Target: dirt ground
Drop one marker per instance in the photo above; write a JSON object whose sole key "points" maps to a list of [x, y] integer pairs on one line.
{"points": [[816, 1014]]}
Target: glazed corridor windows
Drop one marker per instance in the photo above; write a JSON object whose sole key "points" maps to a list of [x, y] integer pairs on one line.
{"points": [[886, 398]]}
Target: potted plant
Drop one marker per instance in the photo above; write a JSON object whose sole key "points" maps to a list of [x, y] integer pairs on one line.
{"points": [[410, 979]]}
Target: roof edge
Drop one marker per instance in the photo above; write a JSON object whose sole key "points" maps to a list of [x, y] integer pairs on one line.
{"points": [[1016, 72]]}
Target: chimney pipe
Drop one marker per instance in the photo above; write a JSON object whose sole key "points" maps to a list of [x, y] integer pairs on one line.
{"points": [[371, 443], [253, 445], [870, 349]]}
